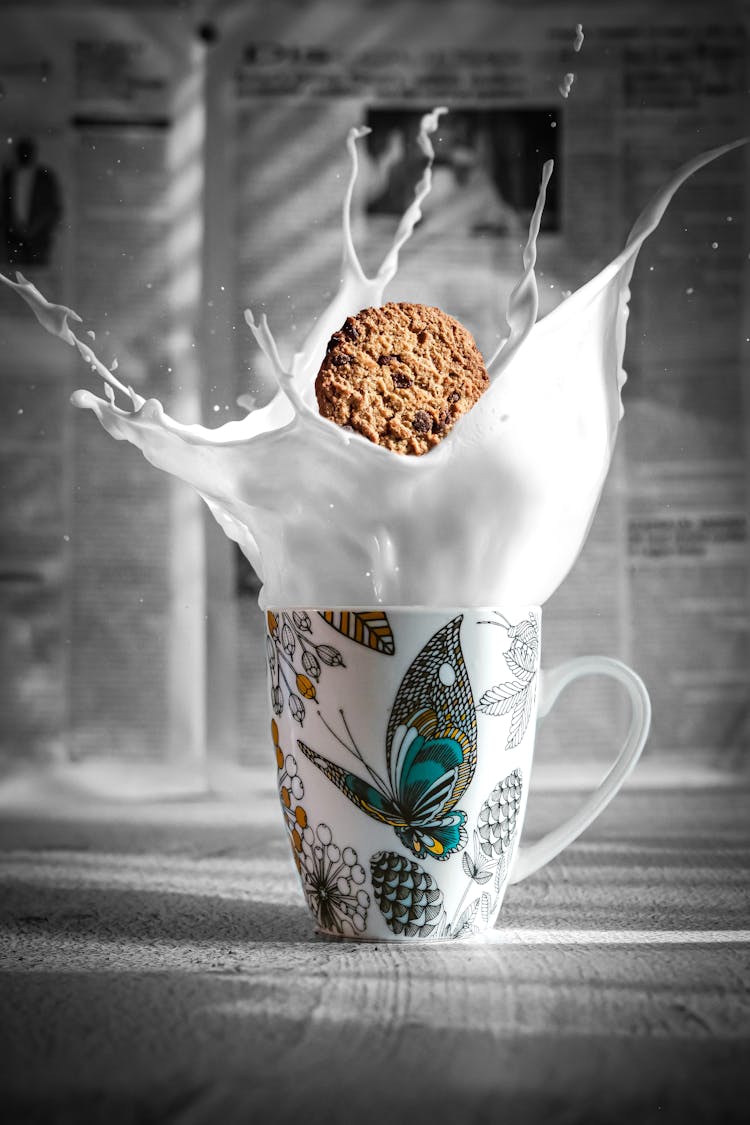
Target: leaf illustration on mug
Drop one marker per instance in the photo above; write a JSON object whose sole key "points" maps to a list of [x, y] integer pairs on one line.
{"points": [[515, 697], [466, 924], [368, 627]]}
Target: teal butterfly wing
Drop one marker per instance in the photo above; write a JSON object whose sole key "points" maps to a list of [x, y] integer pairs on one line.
{"points": [[427, 775], [431, 745]]}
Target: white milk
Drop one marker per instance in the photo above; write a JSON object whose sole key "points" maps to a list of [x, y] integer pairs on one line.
{"points": [[495, 514]]}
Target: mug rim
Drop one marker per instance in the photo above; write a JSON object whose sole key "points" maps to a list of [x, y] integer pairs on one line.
{"points": [[383, 607]]}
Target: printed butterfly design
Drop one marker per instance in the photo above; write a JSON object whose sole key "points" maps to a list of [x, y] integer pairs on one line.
{"points": [[431, 752]]}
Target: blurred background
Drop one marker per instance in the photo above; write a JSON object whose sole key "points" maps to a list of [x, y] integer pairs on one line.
{"points": [[165, 165]]}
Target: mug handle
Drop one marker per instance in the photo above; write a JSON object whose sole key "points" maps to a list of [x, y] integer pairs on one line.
{"points": [[533, 856]]}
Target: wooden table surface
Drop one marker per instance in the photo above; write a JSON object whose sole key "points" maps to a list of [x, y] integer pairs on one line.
{"points": [[158, 965]]}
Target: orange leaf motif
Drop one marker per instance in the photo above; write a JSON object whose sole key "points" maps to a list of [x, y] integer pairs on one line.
{"points": [[369, 627]]}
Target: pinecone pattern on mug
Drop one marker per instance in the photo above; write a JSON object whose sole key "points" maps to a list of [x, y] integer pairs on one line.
{"points": [[409, 899], [497, 817]]}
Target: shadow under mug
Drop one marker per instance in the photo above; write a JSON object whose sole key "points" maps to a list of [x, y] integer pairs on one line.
{"points": [[404, 739]]}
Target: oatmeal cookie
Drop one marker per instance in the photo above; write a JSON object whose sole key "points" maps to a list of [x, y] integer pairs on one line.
{"points": [[400, 375]]}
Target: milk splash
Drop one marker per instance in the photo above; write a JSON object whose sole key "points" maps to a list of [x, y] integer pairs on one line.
{"points": [[495, 514]]}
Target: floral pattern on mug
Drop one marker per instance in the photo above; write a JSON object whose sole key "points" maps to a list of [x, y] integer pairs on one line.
{"points": [[516, 696], [295, 661], [291, 791], [332, 878], [332, 882]]}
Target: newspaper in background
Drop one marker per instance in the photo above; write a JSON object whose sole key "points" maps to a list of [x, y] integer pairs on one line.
{"points": [[91, 564]]}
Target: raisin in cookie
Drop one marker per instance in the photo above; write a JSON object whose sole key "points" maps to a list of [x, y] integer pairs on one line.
{"points": [[400, 375]]}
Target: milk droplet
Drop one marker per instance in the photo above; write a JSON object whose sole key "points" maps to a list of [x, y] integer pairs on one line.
{"points": [[566, 84]]}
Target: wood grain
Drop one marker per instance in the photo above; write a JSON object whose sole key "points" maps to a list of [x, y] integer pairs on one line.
{"points": [[158, 965]]}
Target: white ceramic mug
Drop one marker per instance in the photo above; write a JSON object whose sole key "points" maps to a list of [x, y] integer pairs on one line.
{"points": [[404, 739]]}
